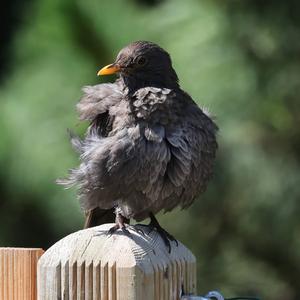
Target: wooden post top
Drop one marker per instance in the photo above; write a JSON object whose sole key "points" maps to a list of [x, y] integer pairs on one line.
{"points": [[90, 264]]}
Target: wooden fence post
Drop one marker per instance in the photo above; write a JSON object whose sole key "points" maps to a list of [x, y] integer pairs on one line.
{"points": [[91, 265], [18, 272]]}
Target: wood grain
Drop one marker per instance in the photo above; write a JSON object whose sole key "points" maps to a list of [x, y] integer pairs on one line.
{"points": [[18, 272], [91, 265]]}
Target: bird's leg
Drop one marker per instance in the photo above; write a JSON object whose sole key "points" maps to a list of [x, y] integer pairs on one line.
{"points": [[121, 223], [166, 236]]}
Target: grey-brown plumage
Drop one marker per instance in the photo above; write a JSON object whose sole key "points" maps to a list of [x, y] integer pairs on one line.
{"points": [[149, 147]]}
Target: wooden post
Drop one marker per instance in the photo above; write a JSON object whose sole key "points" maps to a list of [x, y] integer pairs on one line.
{"points": [[91, 265], [18, 269]]}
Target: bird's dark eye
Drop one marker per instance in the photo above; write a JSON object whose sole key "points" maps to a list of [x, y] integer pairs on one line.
{"points": [[141, 60]]}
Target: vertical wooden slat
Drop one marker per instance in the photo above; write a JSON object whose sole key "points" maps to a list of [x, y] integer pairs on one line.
{"points": [[65, 281], [73, 281], [104, 280], [80, 280], [18, 273], [96, 281], [112, 281], [89, 281]]}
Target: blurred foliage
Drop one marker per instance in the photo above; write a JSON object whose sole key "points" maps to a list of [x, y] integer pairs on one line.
{"points": [[238, 58]]}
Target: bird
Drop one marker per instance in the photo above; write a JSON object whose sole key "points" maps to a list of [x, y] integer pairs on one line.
{"points": [[148, 148]]}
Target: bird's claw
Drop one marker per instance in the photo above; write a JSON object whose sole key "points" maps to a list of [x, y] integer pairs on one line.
{"points": [[165, 235], [126, 231], [113, 229], [153, 225]]}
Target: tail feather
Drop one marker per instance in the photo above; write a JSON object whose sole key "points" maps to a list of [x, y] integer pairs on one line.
{"points": [[98, 216]]}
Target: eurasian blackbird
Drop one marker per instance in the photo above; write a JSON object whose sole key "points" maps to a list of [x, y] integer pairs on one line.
{"points": [[148, 148]]}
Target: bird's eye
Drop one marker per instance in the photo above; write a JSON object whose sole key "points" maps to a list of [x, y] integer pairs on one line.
{"points": [[141, 60]]}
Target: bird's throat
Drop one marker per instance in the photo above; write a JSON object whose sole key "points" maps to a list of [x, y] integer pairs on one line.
{"points": [[133, 83]]}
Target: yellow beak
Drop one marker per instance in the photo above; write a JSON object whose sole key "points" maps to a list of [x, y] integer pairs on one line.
{"points": [[110, 69]]}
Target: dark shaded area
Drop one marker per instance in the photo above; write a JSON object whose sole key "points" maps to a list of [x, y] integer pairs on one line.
{"points": [[11, 14], [24, 222], [149, 3]]}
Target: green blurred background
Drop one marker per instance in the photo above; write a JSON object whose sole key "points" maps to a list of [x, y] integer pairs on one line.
{"points": [[240, 59]]}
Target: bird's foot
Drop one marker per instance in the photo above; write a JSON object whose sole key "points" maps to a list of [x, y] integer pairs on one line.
{"points": [[125, 230], [166, 236], [113, 229], [148, 229], [121, 223]]}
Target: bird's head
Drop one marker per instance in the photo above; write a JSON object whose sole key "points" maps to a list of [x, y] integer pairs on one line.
{"points": [[143, 64]]}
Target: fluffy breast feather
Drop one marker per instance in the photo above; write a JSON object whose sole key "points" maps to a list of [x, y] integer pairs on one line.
{"points": [[159, 153]]}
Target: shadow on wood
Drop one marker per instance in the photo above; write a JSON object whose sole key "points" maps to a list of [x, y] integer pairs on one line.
{"points": [[89, 264]]}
